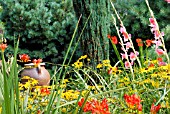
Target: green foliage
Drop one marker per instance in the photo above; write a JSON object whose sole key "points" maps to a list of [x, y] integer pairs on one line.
{"points": [[45, 27]]}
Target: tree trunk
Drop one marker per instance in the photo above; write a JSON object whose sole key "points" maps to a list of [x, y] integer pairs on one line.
{"points": [[94, 41]]}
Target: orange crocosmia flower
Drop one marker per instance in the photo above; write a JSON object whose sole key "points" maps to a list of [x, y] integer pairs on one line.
{"points": [[154, 109], [45, 91], [114, 40], [149, 42], [151, 65], [159, 59], [36, 62], [3, 47], [111, 70], [38, 111], [24, 57], [88, 105], [100, 107], [139, 41], [95, 107], [109, 36], [133, 101]]}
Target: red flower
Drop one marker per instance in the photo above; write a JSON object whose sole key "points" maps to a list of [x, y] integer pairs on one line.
{"points": [[38, 111], [110, 71], [109, 36], [24, 57], [95, 107], [159, 59], [88, 106], [148, 42], [3, 47], [151, 65], [155, 109], [139, 42], [45, 91], [114, 40], [133, 101], [80, 103], [36, 62]]}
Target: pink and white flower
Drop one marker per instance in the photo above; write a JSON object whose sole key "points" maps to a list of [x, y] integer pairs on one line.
{"points": [[127, 64], [160, 52], [123, 56], [157, 43], [133, 56], [152, 22], [125, 34], [128, 45]]}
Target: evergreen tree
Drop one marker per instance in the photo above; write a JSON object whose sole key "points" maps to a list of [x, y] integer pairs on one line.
{"points": [[45, 27]]}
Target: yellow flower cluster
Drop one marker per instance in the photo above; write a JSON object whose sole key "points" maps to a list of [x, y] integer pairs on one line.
{"points": [[27, 82], [79, 64], [105, 63], [109, 68], [70, 95], [154, 83]]}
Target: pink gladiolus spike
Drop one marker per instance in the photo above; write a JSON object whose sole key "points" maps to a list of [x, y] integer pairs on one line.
{"points": [[162, 34], [162, 63], [133, 56], [157, 43], [126, 36], [152, 22], [153, 30], [122, 30], [123, 56], [159, 51], [137, 53], [127, 64], [157, 34], [128, 45]]}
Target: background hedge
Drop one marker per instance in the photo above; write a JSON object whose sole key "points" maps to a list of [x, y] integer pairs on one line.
{"points": [[45, 27]]}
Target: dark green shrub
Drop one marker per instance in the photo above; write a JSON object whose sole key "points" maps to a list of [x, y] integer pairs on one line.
{"points": [[45, 27]]}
